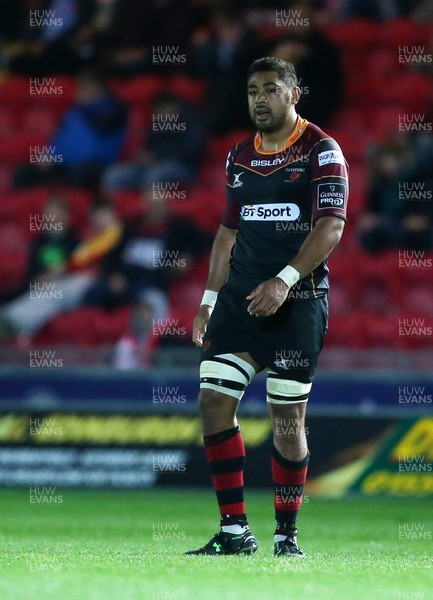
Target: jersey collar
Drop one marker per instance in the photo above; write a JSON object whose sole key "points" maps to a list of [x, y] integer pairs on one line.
{"points": [[300, 127]]}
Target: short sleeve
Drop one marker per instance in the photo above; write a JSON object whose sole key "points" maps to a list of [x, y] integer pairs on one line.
{"points": [[329, 181], [231, 214]]}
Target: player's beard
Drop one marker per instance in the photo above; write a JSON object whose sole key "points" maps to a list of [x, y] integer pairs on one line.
{"points": [[272, 125]]}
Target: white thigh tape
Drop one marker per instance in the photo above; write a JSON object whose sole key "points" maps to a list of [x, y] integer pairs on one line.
{"points": [[227, 374], [286, 391]]}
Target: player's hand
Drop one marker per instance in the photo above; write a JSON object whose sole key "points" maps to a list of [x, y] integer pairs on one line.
{"points": [[200, 324], [267, 298]]}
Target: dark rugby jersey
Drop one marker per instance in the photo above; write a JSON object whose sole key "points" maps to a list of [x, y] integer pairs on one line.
{"points": [[274, 199]]}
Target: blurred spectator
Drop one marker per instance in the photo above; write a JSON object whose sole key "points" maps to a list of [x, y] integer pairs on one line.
{"points": [[399, 202], [50, 35], [140, 33], [89, 138], [318, 67], [51, 250], [174, 145], [48, 259], [136, 347], [60, 269], [154, 248], [126, 37], [222, 57], [379, 10], [105, 230]]}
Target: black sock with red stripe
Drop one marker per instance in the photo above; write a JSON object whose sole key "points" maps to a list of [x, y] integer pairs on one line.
{"points": [[289, 478], [225, 453]]}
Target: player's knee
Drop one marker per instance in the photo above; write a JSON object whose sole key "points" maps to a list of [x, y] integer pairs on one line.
{"points": [[209, 400], [217, 411]]}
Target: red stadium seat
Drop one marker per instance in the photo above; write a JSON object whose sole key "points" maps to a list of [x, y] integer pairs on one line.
{"points": [[128, 203], [356, 204], [380, 330], [220, 146], [386, 120], [340, 299], [384, 268], [357, 187], [13, 239], [351, 61], [72, 328], [358, 33], [187, 88], [16, 149], [186, 294], [417, 91], [138, 90], [35, 198], [109, 327], [66, 86], [212, 174], [344, 330], [352, 116], [415, 267], [365, 90], [416, 298], [351, 140], [404, 32], [415, 329], [7, 121], [341, 268], [204, 206], [5, 177], [383, 62], [39, 119], [12, 269], [14, 90], [17, 205], [86, 326]]}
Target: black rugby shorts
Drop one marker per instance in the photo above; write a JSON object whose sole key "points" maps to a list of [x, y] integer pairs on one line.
{"points": [[288, 342]]}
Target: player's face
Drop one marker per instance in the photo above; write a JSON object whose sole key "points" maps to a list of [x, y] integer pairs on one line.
{"points": [[269, 101]]}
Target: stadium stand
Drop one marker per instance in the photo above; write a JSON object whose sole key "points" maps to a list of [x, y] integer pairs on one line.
{"points": [[366, 306]]}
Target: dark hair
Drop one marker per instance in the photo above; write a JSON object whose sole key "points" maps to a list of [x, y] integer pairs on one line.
{"points": [[284, 69]]}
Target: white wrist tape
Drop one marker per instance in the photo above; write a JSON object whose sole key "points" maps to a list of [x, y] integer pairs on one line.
{"points": [[289, 275], [209, 298]]}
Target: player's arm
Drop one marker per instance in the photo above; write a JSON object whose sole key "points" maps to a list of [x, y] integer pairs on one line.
{"points": [[220, 257], [267, 298], [218, 270], [319, 243]]}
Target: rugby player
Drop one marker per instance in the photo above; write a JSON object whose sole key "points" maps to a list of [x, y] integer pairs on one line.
{"points": [[265, 305]]}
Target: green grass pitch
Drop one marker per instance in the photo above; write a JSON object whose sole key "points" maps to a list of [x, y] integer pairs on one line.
{"points": [[117, 545]]}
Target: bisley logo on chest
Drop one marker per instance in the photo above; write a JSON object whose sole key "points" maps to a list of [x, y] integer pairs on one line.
{"points": [[268, 163]]}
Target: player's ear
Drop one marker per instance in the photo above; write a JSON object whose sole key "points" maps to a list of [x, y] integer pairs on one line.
{"points": [[296, 94]]}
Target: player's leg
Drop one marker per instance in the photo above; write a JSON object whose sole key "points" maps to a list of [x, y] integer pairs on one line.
{"points": [[223, 379], [287, 401]]}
